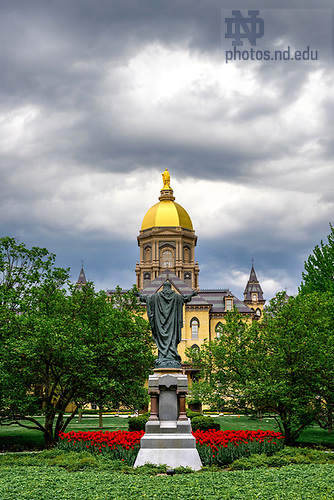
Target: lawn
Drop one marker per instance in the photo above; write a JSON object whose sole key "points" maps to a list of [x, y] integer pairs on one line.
{"points": [[311, 435], [22, 439], [44, 483], [32, 478]]}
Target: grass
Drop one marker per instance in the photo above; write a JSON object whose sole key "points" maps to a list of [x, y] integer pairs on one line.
{"points": [[17, 438], [313, 435], [229, 422], [316, 436], [291, 474], [44, 483]]}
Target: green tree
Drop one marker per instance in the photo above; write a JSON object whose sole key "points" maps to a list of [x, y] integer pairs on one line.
{"points": [[283, 365], [26, 277], [319, 268], [27, 274], [78, 348], [123, 352], [66, 346]]}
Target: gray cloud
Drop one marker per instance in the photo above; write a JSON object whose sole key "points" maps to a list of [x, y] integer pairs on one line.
{"points": [[97, 98]]}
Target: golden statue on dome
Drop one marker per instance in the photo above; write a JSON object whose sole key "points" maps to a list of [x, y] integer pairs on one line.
{"points": [[166, 179]]}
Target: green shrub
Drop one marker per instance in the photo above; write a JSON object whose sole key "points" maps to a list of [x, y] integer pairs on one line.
{"points": [[138, 423], [70, 461], [287, 456], [191, 414], [148, 469], [204, 423]]}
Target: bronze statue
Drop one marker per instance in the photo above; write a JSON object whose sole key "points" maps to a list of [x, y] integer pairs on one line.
{"points": [[165, 314]]}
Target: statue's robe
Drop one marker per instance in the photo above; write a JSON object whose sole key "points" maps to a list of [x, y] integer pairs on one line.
{"points": [[165, 314]]}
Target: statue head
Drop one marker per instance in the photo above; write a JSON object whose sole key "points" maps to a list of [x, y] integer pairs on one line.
{"points": [[167, 288]]}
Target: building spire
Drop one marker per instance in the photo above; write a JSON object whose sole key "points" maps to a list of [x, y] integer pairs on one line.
{"points": [[82, 278], [253, 291]]}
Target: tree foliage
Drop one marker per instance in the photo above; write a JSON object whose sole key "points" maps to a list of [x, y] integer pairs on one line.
{"points": [[319, 268], [58, 347], [283, 365], [27, 274]]}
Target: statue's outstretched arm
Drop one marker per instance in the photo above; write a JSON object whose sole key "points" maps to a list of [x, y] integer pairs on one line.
{"points": [[141, 297], [187, 298]]}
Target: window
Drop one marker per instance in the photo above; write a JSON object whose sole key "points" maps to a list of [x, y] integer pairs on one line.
{"points": [[186, 254], [228, 304], [167, 258], [194, 348], [194, 324], [147, 254], [218, 329], [254, 297]]}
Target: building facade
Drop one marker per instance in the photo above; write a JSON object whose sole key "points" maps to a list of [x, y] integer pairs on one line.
{"points": [[167, 244]]}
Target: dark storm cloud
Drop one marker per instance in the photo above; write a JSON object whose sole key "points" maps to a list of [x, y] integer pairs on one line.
{"points": [[55, 54], [96, 96]]}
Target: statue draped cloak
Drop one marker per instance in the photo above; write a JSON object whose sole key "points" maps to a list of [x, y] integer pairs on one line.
{"points": [[165, 314]]}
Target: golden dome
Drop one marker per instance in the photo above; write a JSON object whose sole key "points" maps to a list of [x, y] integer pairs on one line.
{"points": [[166, 213]]}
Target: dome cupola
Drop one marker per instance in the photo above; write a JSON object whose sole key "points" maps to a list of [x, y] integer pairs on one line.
{"points": [[167, 240], [166, 213]]}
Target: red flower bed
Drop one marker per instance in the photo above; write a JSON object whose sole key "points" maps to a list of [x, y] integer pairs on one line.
{"points": [[216, 439], [222, 447], [214, 447], [118, 445]]}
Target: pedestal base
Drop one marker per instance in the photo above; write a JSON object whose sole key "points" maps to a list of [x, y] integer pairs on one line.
{"points": [[172, 457], [170, 443], [168, 438]]}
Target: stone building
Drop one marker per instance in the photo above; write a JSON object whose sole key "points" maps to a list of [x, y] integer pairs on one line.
{"points": [[167, 242]]}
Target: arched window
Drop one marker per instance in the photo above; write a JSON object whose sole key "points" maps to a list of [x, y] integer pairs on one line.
{"points": [[167, 258], [218, 329], [186, 254], [147, 254], [258, 313], [194, 324], [194, 374]]}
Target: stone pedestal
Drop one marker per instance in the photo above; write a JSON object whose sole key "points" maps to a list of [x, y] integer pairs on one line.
{"points": [[168, 439]]}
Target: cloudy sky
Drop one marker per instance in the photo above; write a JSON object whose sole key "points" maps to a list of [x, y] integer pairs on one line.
{"points": [[98, 97]]}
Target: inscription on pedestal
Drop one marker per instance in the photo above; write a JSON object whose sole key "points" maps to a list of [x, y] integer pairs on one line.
{"points": [[168, 405]]}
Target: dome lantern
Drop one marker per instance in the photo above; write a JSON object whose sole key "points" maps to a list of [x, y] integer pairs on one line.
{"points": [[166, 213], [167, 240]]}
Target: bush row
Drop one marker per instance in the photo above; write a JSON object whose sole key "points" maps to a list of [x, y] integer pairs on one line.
{"points": [[197, 422], [74, 461]]}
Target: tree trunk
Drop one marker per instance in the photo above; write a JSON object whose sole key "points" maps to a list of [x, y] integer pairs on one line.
{"points": [[48, 433], [287, 435], [330, 420], [59, 426]]}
